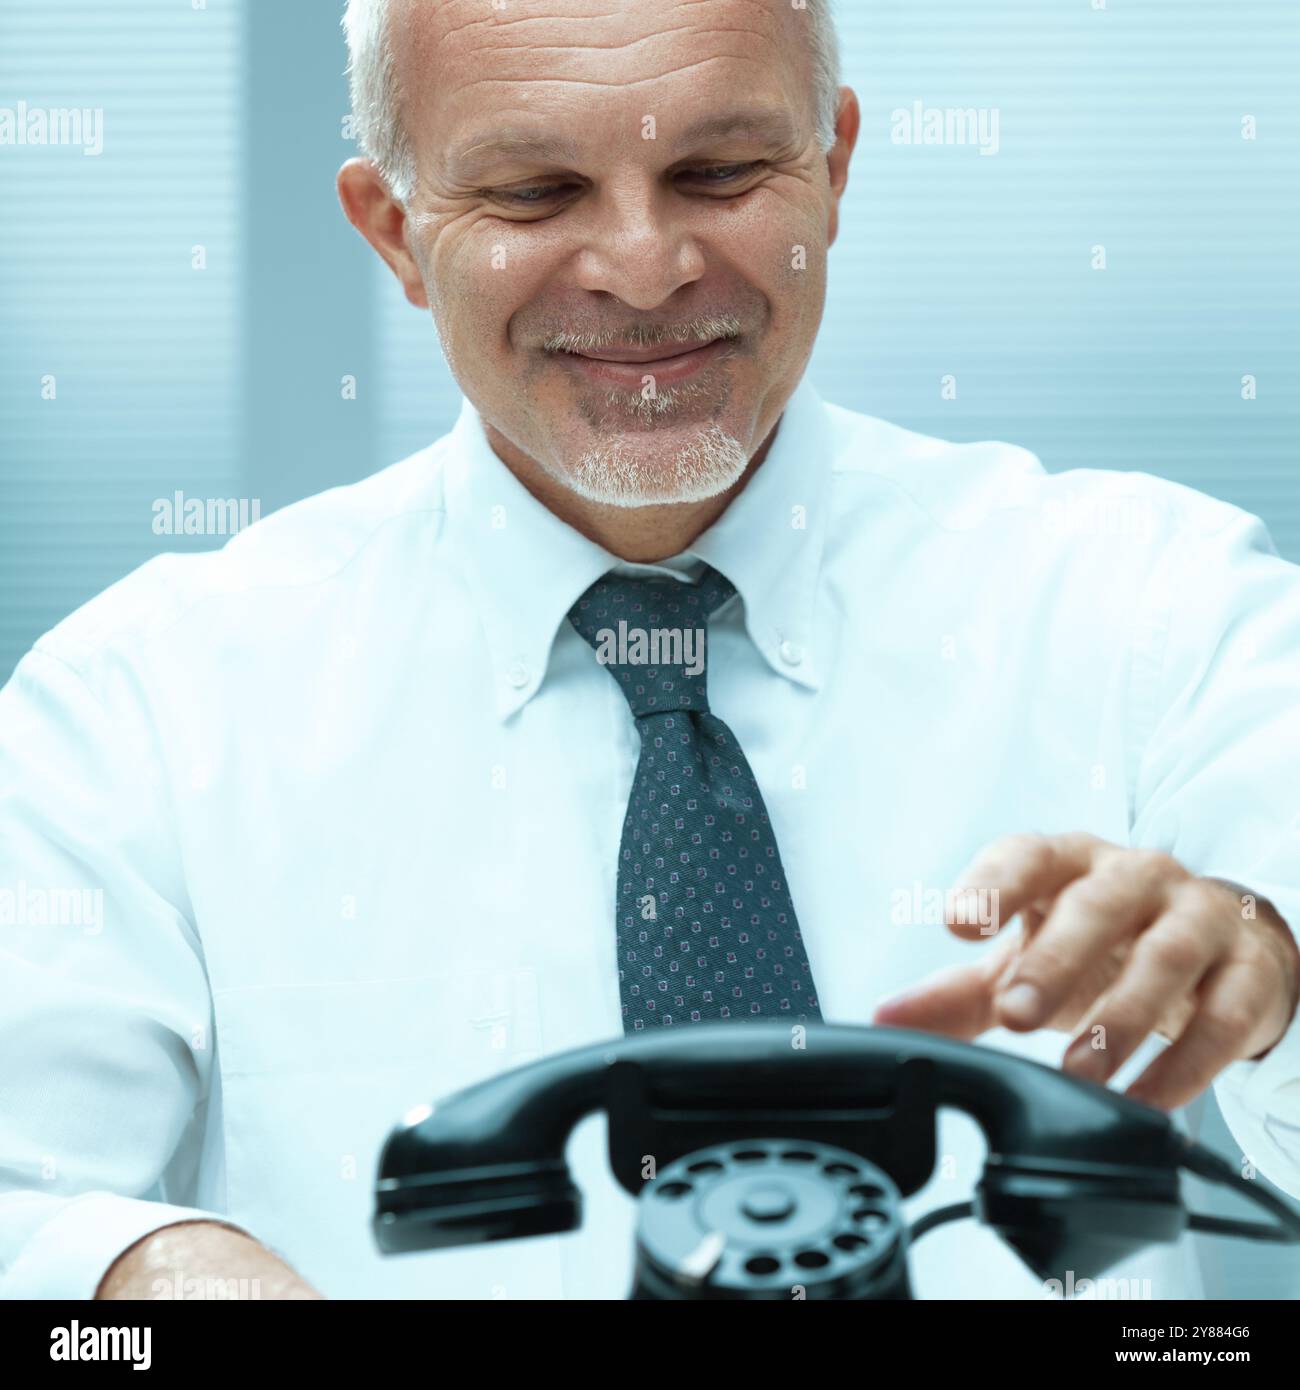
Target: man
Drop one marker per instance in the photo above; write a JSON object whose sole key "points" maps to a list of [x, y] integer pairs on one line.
{"points": [[370, 822]]}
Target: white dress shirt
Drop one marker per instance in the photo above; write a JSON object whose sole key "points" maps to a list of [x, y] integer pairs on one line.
{"points": [[346, 797]]}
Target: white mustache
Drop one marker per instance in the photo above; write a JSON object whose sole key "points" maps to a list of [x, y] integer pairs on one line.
{"points": [[703, 330]]}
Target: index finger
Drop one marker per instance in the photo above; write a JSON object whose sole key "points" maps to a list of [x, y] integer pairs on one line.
{"points": [[1020, 870]]}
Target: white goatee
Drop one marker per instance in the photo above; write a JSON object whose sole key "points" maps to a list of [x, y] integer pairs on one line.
{"points": [[618, 476]]}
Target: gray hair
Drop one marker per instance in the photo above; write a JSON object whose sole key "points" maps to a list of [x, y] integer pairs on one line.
{"points": [[376, 114]]}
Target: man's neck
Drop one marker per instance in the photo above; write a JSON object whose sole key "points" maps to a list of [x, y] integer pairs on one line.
{"points": [[642, 535]]}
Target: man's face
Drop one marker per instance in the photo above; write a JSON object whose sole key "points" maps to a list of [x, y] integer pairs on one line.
{"points": [[621, 226]]}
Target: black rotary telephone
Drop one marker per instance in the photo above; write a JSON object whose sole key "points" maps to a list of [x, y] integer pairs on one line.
{"points": [[780, 1156]]}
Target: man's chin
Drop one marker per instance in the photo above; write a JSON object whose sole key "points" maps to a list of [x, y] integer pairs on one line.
{"points": [[658, 468]]}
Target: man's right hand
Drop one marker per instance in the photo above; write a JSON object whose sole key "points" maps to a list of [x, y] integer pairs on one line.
{"points": [[206, 1258]]}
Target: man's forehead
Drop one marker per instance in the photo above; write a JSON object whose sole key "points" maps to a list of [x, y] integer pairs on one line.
{"points": [[454, 48], [521, 22]]}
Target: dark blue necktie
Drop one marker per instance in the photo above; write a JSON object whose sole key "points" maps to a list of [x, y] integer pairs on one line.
{"points": [[706, 928]]}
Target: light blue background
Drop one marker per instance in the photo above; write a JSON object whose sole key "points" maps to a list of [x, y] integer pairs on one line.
{"points": [[223, 124]]}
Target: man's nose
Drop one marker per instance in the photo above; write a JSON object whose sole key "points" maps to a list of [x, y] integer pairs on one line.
{"points": [[638, 247]]}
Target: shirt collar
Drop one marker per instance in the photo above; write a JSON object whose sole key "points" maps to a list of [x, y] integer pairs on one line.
{"points": [[526, 568], [769, 541]]}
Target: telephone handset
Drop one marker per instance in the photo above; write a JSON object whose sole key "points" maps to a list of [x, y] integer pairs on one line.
{"points": [[781, 1153]]}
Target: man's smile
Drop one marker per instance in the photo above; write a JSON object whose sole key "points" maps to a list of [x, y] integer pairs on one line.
{"points": [[669, 365]]}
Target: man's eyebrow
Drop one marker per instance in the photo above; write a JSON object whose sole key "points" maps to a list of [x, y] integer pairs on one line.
{"points": [[764, 123], [771, 126], [471, 158]]}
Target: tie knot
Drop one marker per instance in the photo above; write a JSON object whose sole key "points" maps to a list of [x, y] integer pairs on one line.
{"points": [[653, 634]]}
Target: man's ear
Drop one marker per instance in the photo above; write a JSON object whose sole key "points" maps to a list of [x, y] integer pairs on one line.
{"points": [[847, 125], [381, 219]]}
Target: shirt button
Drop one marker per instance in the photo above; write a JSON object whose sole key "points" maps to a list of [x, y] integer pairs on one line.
{"points": [[517, 675], [791, 653]]}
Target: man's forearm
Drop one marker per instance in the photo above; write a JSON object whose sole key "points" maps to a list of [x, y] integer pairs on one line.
{"points": [[201, 1259]]}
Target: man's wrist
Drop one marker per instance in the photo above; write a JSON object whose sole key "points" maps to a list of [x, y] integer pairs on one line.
{"points": [[1259, 912]]}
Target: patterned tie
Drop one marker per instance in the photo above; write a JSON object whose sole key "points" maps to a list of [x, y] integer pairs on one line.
{"points": [[706, 929]]}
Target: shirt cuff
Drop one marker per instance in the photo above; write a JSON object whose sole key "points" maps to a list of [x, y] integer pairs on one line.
{"points": [[1261, 1104], [68, 1255]]}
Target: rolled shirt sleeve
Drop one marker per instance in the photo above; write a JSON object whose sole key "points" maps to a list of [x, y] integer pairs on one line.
{"points": [[1216, 781], [105, 1013], [65, 1244]]}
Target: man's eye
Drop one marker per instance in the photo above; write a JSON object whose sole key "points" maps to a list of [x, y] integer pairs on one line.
{"points": [[537, 195], [720, 175]]}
